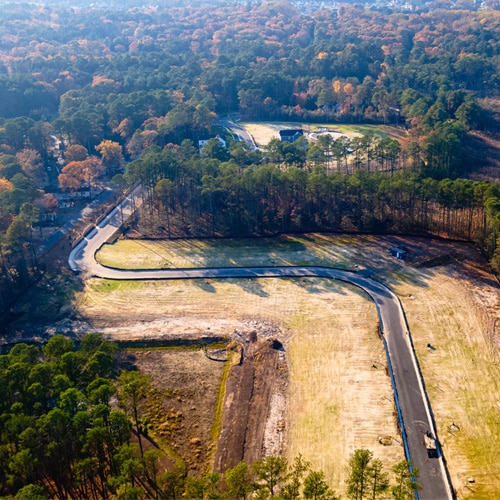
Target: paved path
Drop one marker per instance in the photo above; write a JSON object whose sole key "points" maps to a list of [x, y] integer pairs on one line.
{"points": [[234, 128], [411, 401], [69, 221]]}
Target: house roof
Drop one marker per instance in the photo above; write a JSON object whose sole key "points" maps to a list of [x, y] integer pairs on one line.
{"points": [[291, 132]]}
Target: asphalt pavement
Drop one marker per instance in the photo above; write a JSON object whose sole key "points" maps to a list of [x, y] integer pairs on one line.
{"points": [[414, 410]]}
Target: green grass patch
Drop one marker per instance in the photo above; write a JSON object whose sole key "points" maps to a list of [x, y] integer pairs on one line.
{"points": [[345, 128], [107, 286], [219, 409], [377, 130]]}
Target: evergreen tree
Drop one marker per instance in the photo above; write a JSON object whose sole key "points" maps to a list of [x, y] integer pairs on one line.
{"points": [[406, 481]]}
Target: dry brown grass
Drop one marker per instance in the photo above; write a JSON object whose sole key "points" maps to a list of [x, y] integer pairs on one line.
{"points": [[340, 394], [340, 398], [462, 379]]}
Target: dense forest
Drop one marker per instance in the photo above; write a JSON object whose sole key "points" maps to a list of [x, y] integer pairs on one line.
{"points": [[209, 197], [88, 94], [72, 425], [121, 95]]}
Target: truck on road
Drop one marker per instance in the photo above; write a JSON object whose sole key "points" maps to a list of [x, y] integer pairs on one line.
{"points": [[431, 445]]}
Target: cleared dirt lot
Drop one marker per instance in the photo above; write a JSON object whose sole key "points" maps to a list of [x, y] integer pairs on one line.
{"points": [[333, 394]]}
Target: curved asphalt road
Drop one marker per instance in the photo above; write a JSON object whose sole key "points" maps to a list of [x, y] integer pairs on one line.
{"points": [[411, 401], [234, 128]]}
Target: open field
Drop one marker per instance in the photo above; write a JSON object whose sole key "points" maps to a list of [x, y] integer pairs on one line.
{"points": [[263, 132], [462, 377], [335, 377], [283, 251], [339, 396]]}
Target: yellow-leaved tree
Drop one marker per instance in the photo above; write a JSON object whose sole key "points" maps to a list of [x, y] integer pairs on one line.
{"points": [[111, 154]]}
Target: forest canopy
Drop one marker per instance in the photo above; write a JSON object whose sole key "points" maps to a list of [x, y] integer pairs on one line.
{"points": [[87, 90]]}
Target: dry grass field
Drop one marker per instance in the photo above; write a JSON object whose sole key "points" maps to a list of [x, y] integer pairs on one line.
{"points": [[263, 132], [286, 250], [462, 377], [339, 396]]}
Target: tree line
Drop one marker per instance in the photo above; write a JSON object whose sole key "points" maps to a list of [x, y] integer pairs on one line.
{"points": [[83, 91], [274, 477], [200, 195], [142, 76], [61, 436], [369, 183]]}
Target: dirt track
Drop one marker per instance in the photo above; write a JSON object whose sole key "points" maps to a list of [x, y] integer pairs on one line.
{"points": [[253, 422], [186, 384]]}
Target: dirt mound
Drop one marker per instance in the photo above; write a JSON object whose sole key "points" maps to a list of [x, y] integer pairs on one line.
{"points": [[253, 422], [439, 260]]}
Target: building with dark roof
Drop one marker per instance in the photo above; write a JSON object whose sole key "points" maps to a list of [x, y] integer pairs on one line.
{"points": [[291, 135]]}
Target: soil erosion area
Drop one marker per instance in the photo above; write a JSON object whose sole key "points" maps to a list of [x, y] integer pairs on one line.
{"points": [[253, 421], [180, 408]]}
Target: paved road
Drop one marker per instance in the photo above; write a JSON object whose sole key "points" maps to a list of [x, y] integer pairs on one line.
{"points": [[413, 407], [243, 135], [69, 221]]}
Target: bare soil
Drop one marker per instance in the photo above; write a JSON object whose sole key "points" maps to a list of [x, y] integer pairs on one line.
{"points": [[252, 426], [181, 409], [258, 405]]}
